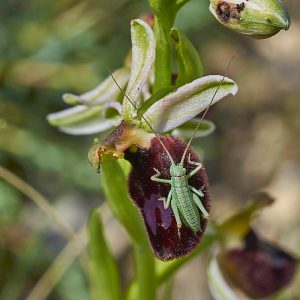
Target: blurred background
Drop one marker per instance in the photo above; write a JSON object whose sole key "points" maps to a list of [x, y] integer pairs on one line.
{"points": [[48, 48]]}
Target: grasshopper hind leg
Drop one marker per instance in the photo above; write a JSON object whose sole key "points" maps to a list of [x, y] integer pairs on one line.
{"points": [[177, 216], [198, 202]]}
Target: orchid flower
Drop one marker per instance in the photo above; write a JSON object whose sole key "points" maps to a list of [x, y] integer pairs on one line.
{"points": [[139, 120]]}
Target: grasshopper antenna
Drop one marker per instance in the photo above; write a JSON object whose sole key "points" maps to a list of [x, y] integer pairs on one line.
{"points": [[206, 111], [133, 104]]}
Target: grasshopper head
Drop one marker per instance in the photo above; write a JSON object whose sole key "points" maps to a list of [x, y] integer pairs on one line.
{"points": [[177, 170]]}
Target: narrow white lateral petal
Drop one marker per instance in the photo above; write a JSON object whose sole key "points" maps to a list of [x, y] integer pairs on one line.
{"points": [[73, 115], [143, 55], [219, 288], [187, 130], [106, 91], [91, 127], [187, 102]]}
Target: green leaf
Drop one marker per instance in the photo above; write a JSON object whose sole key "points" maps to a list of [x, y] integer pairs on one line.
{"points": [[143, 55], [188, 60], [103, 267], [115, 188], [114, 184], [187, 102]]}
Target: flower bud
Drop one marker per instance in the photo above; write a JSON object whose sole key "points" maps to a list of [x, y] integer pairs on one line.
{"points": [[257, 18]]}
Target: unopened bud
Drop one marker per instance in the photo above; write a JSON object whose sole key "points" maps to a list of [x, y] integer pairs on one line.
{"points": [[258, 18]]}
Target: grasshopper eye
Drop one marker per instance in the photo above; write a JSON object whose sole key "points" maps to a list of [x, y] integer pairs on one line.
{"points": [[166, 240]]}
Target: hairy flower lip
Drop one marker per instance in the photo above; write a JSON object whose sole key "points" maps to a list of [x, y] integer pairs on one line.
{"points": [[160, 222]]}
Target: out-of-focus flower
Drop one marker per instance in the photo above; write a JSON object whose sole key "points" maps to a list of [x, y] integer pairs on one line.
{"points": [[259, 269], [256, 269], [257, 18]]}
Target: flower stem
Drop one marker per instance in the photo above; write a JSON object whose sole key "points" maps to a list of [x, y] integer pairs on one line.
{"points": [[163, 62]]}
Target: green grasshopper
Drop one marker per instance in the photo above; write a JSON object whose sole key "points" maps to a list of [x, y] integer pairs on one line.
{"points": [[185, 200]]}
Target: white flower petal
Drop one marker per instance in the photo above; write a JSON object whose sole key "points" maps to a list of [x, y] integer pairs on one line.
{"points": [[219, 288], [187, 102], [106, 91], [73, 115], [143, 55], [91, 127]]}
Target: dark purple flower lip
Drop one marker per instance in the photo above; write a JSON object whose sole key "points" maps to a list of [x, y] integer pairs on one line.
{"points": [[160, 223], [259, 269]]}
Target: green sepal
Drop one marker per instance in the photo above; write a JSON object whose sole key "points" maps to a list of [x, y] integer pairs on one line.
{"points": [[238, 225], [189, 64], [104, 272]]}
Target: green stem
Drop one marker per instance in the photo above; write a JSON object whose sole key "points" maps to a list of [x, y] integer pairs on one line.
{"points": [[115, 187], [163, 61]]}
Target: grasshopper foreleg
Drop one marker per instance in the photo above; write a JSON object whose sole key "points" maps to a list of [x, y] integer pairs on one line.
{"points": [[198, 164], [155, 177]]}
